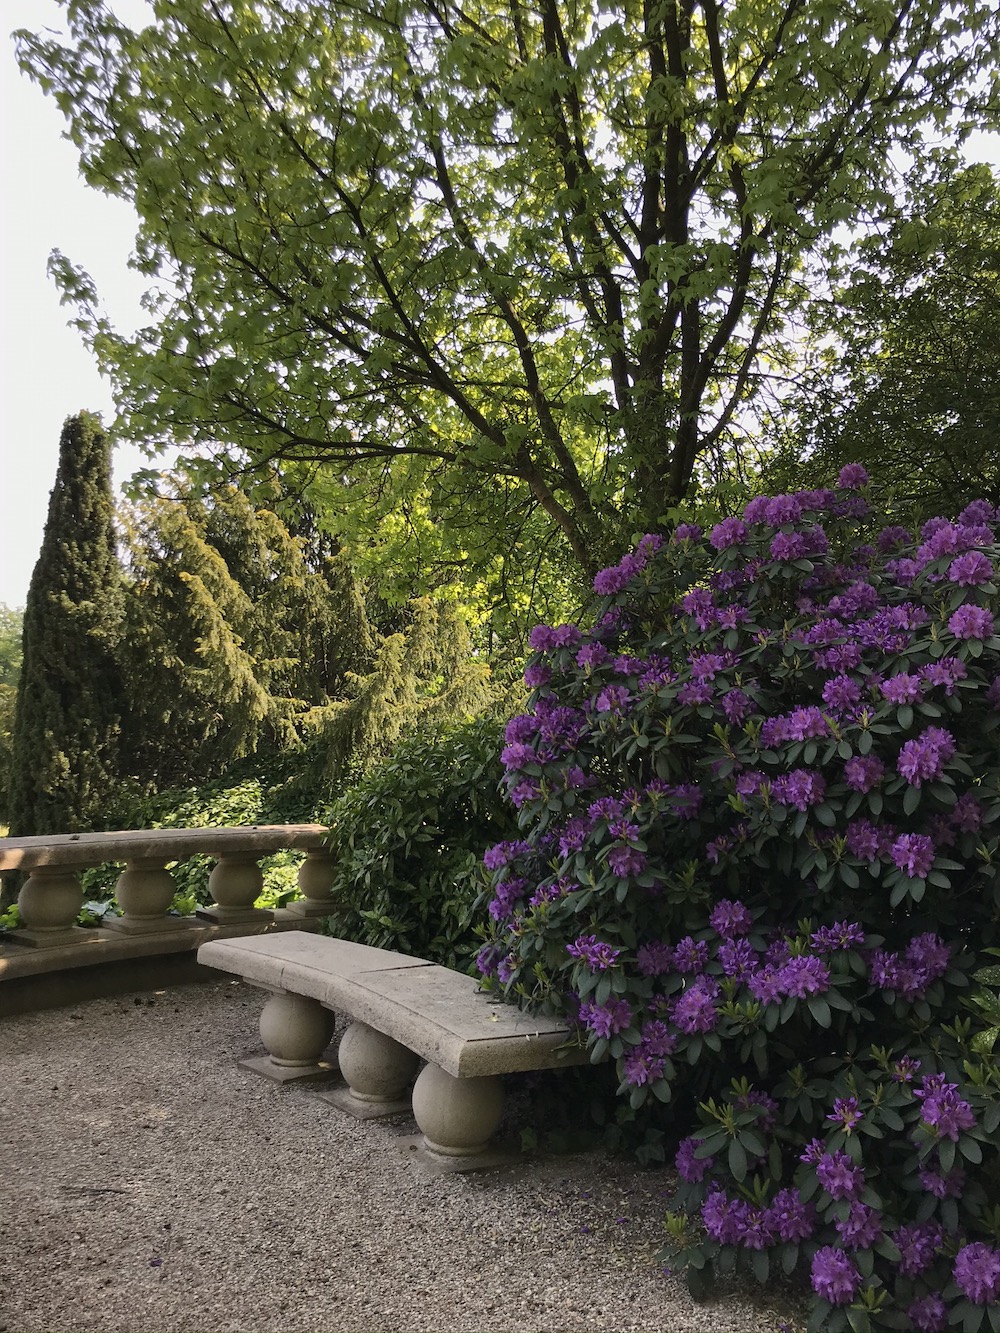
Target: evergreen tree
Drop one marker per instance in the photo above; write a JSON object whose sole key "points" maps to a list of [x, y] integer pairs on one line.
{"points": [[244, 641], [67, 715]]}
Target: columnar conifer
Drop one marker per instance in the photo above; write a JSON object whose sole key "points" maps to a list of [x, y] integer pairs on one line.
{"points": [[67, 717]]}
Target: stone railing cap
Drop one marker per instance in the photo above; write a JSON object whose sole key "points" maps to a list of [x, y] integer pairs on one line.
{"points": [[174, 844]]}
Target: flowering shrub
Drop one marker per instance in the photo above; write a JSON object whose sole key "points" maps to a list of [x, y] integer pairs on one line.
{"points": [[758, 812]]}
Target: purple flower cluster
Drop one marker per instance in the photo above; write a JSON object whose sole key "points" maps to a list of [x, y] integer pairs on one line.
{"points": [[923, 759], [944, 1112], [834, 1276], [977, 1272], [735, 1222], [909, 974], [596, 954]]}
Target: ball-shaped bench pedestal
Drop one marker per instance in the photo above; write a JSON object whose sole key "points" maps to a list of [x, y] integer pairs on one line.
{"points": [[296, 1031], [378, 1072], [458, 1116]]}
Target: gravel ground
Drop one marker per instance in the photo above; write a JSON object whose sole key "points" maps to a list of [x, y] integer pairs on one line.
{"points": [[150, 1186]]}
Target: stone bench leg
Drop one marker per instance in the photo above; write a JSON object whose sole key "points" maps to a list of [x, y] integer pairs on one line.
{"points": [[296, 1031], [457, 1116], [378, 1072]]}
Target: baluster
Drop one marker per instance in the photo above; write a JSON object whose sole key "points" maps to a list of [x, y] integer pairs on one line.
{"points": [[50, 901], [235, 884], [316, 875], [145, 889]]}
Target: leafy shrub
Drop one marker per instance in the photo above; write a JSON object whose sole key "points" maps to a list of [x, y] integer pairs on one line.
{"points": [[215, 805], [409, 838], [758, 805]]}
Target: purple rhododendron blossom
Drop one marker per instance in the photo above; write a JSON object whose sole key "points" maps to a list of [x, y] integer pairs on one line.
{"points": [[694, 1009], [804, 976], [846, 1113], [971, 622], [736, 704], [626, 861], [943, 1185], [791, 1217], [724, 1218], [592, 655], [928, 1314], [971, 569], [839, 1176], [943, 1110], [689, 1167], [841, 935], [597, 954], [730, 532], [852, 477], [977, 1272], [914, 853], [730, 919], [613, 699], [841, 692], [861, 1228], [537, 674], [642, 1066], [737, 958], [765, 985], [605, 1020], [789, 546], [923, 758], [690, 955], [863, 772], [834, 1276], [902, 688], [802, 788], [918, 1244], [654, 958], [657, 1037], [946, 672], [687, 532]]}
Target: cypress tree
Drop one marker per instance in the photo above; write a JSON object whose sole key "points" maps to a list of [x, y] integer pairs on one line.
{"points": [[67, 716]]}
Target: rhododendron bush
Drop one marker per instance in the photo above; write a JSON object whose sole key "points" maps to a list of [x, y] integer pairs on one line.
{"points": [[759, 805]]}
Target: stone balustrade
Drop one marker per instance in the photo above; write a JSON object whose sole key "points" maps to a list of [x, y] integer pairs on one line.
{"points": [[49, 940]]}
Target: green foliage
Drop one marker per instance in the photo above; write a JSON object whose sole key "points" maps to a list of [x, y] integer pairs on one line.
{"points": [[217, 804], [409, 839], [261, 645], [66, 717], [500, 274], [908, 371], [11, 630]]}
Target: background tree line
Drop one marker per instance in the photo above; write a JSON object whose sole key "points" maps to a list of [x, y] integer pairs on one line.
{"points": [[173, 641]]}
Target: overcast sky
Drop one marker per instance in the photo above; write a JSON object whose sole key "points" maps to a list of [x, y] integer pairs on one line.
{"points": [[46, 374]]}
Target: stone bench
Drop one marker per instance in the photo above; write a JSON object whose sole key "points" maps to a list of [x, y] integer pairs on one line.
{"points": [[404, 1010]]}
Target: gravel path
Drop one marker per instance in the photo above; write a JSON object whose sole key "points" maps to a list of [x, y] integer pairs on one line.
{"points": [[150, 1186]]}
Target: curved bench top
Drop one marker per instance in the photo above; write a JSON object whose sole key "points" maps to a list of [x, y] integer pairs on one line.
{"points": [[169, 844], [441, 1015]]}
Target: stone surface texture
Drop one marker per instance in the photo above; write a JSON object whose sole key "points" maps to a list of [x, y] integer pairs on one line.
{"points": [[151, 1186], [439, 1014]]}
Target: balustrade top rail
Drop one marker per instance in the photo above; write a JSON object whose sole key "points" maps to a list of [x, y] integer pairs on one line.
{"points": [[175, 844]]}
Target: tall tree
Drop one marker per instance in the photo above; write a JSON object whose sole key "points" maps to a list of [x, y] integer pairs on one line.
{"points": [[499, 269], [906, 373], [242, 639], [69, 700]]}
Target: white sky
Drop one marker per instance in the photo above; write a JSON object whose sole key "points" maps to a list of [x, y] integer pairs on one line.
{"points": [[46, 373]]}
